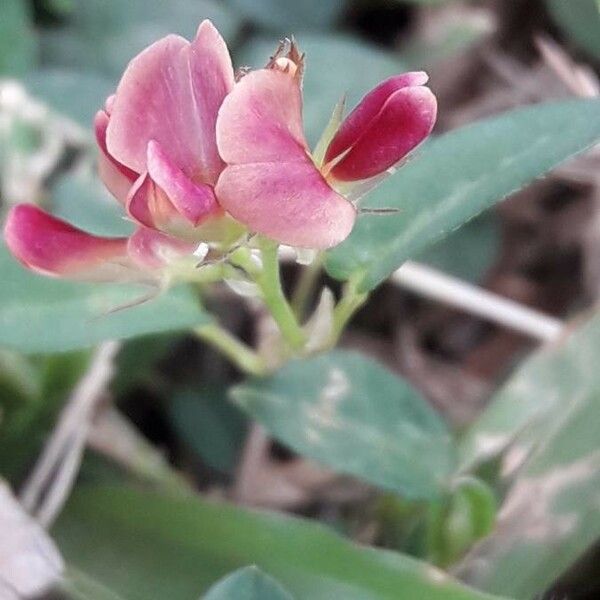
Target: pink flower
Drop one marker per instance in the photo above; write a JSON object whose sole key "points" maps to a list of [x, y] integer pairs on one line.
{"points": [[184, 148], [158, 157], [271, 183], [389, 122]]}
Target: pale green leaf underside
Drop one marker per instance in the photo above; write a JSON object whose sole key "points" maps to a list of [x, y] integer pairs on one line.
{"points": [[455, 177]]}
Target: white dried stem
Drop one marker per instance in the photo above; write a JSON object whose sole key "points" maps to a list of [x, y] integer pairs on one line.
{"points": [[52, 477]]}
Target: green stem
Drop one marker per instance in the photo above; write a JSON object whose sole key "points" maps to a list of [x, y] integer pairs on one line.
{"points": [[305, 286], [246, 359], [349, 303], [269, 281]]}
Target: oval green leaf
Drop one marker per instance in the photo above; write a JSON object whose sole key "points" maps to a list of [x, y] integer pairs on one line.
{"points": [[544, 422], [580, 20], [17, 38], [102, 36], [147, 546], [287, 18], [455, 177], [349, 413], [39, 314], [537, 396], [248, 583]]}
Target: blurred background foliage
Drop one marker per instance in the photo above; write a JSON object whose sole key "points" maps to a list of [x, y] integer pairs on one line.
{"points": [[133, 529]]}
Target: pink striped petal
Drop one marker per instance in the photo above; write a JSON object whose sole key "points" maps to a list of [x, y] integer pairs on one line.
{"points": [[116, 177], [288, 202], [51, 246], [357, 122], [261, 120], [152, 249], [404, 121], [149, 205], [171, 93], [194, 201], [212, 79]]}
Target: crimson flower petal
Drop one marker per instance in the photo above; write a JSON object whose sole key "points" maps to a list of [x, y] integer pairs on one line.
{"points": [[116, 177], [149, 205], [270, 184], [51, 246], [261, 120], [288, 202], [153, 249], [194, 201], [404, 121], [357, 122]]}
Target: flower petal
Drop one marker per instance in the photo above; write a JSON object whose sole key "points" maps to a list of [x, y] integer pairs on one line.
{"points": [[261, 120], [212, 79], [152, 249], [51, 246], [116, 177], [288, 202], [356, 123], [403, 122], [194, 201], [171, 93], [149, 205]]}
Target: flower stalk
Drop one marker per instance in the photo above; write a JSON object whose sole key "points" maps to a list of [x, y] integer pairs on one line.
{"points": [[349, 303], [305, 286], [241, 355]]}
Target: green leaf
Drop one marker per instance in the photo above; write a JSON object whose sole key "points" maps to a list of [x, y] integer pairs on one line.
{"points": [[77, 95], [209, 425], [104, 35], [335, 65], [538, 395], [467, 253], [458, 520], [17, 39], [455, 177], [78, 586], [351, 414], [550, 515], [287, 18], [545, 422], [40, 314], [82, 199], [148, 546], [580, 20], [247, 584]]}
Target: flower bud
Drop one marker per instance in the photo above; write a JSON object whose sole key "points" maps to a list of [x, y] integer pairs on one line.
{"points": [[388, 123]]}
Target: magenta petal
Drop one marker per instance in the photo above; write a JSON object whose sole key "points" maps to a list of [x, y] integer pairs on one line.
{"points": [[148, 205], [116, 177], [356, 123], [261, 120], [170, 93], [152, 249], [212, 79], [288, 202], [51, 246], [404, 121], [193, 201]]}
